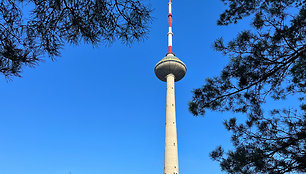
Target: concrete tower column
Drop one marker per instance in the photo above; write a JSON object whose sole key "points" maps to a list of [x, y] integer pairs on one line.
{"points": [[171, 152], [170, 69]]}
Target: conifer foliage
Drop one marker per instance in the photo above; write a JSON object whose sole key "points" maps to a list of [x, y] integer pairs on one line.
{"points": [[29, 29], [268, 61]]}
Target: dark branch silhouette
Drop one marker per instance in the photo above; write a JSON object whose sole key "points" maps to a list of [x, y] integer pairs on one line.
{"points": [[31, 29], [268, 61]]}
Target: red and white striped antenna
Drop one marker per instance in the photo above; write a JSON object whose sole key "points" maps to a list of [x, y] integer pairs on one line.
{"points": [[170, 33]]}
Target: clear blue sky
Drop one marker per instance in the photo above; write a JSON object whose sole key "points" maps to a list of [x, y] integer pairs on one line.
{"points": [[102, 110]]}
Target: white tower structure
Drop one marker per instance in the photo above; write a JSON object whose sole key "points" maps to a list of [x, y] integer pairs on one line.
{"points": [[170, 69]]}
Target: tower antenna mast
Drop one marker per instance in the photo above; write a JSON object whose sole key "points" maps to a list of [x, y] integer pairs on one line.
{"points": [[170, 33]]}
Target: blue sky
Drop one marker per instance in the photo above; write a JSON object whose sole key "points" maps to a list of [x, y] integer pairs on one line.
{"points": [[102, 110]]}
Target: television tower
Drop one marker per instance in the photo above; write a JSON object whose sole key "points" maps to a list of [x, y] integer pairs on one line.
{"points": [[170, 69]]}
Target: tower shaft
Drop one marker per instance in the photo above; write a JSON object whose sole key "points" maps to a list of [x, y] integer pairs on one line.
{"points": [[171, 151]]}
